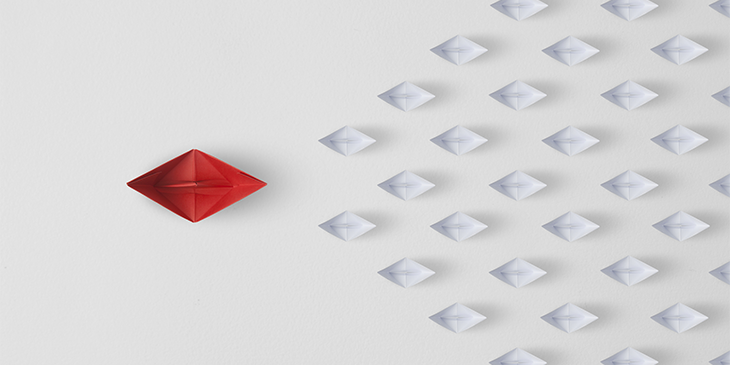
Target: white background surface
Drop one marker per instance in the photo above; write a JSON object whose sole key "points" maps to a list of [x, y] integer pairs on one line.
{"points": [[95, 93]]}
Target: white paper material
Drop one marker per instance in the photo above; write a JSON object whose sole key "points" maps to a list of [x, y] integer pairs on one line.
{"points": [[629, 271], [518, 185], [723, 96], [722, 185], [518, 95], [722, 273], [458, 140], [629, 95], [569, 318], [679, 318], [458, 50], [629, 356], [570, 51], [570, 226], [518, 357], [406, 273], [406, 96], [347, 226], [629, 185], [570, 141], [459, 226], [457, 318], [629, 9], [681, 226], [518, 273], [519, 9], [679, 140], [347, 141], [722, 7], [723, 359], [406, 185], [679, 50]]}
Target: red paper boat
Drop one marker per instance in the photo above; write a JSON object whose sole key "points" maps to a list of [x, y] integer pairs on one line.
{"points": [[196, 185]]}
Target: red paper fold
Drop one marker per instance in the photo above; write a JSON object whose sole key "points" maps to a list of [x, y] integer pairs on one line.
{"points": [[196, 185]]}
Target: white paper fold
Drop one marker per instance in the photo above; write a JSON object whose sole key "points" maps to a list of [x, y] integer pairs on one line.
{"points": [[570, 51], [518, 185], [457, 318], [722, 273], [347, 226], [679, 318], [722, 185], [679, 140], [679, 50], [518, 95], [629, 356], [723, 359], [458, 140], [406, 273], [519, 9], [629, 95], [723, 96], [570, 141], [518, 273], [722, 7], [459, 226], [518, 357], [406, 96], [629, 9], [347, 141], [569, 318], [681, 226], [570, 226], [629, 271], [406, 185], [629, 185], [458, 50]]}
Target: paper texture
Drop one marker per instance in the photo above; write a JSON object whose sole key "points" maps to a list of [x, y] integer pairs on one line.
{"points": [[679, 318], [570, 51], [629, 356], [406, 96], [629, 185], [518, 273], [406, 185], [458, 140], [347, 226], [681, 226], [679, 140], [570, 226], [458, 50], [722, 273], [723, 96], [459, 226], [406, 273], [629, 271], [518, 357], [629, 95], [519, 9], [457, 318], [518, 95], [570, 141], [347, 141], [722, 7], [196, 185], [518, 185], [679, 50], [629, 9], [569, 318]]}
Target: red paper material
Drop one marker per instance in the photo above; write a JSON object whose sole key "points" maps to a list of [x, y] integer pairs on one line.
{"points": [[196, 185]]}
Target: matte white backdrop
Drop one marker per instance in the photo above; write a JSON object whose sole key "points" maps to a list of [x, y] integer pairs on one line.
{"points": [[95, 93]]}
